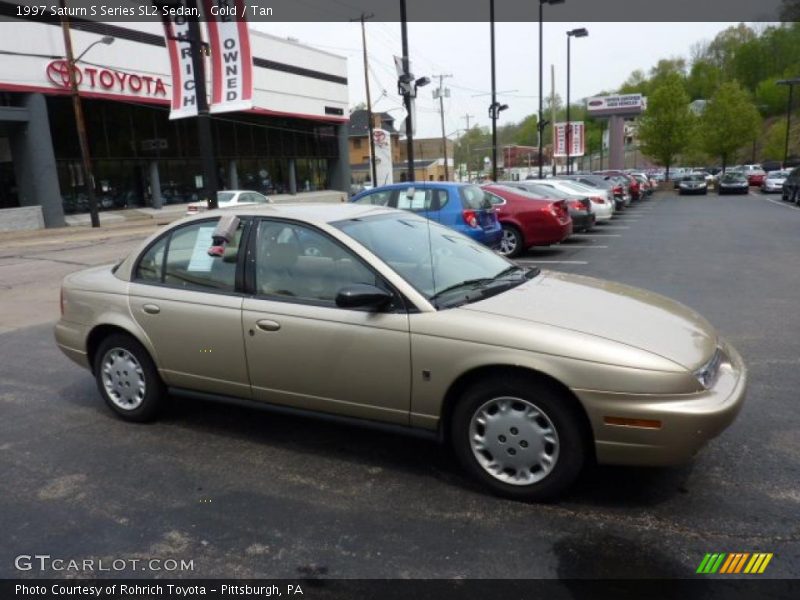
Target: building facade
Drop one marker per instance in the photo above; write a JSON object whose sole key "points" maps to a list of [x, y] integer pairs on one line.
{"points": [[293, 139]]}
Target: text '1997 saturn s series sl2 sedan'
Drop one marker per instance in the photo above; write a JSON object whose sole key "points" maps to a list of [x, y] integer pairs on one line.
{"points": [[384, 317]]}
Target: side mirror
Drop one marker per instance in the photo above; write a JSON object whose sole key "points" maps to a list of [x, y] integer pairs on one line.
{"points": [[361, 295]]}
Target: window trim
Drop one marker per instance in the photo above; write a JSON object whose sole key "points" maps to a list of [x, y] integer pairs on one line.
{"points": [[402, 305]]}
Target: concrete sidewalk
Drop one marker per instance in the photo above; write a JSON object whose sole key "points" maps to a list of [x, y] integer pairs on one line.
{"points": [[171, 212]]}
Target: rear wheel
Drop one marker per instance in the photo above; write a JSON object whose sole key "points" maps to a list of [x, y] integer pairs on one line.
{"points": [[128, 379], [520, 439], [511, 244]]}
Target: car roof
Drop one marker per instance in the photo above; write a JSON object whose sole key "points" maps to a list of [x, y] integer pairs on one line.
{"points": [[312, 212]]}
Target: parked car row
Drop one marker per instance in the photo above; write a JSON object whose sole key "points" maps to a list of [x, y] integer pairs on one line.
{"points": [[512, 216]]}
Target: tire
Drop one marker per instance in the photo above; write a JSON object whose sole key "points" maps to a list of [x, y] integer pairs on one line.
{"points": [[121, 365], [511, 243], [561, 454]]}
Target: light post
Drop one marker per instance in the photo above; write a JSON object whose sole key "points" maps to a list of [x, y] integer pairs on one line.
{"points": [[542, 123], [578, 33], [791, 83], [407, 87], [495, 108], [77, 107]]}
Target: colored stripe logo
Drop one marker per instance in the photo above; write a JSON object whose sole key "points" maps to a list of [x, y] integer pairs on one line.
{"points": [[734, 563]]}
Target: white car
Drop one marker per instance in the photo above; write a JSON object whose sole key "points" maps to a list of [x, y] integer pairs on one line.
{"points": [[773, 182], [602, 200], [230, 199]]}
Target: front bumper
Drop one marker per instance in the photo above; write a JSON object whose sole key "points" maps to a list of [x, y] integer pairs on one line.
{"points": [[688, 421]]}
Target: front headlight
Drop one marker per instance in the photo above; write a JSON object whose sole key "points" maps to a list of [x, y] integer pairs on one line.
{"points": [[707, 374]]}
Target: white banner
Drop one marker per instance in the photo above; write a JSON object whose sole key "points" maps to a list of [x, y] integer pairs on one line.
{"points": [[384, 169], [576, 147], [184, 97], [231, 58]]}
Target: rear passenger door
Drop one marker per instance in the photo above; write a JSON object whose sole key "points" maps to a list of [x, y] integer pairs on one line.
{"points": [[305, 352], [426, 201], [187, 304]]}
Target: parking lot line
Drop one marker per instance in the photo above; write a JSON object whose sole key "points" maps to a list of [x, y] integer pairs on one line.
{"points": [[592, 235], [581, 247], [781, 203], [552, 262], [616, 227]]}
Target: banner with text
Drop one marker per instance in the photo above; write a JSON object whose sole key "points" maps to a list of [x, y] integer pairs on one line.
{"points": [[184, 96], [384, 169], [231, 58], [576, 145]]}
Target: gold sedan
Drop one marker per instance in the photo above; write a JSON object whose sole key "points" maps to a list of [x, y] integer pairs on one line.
{"points": [[385, 318]]}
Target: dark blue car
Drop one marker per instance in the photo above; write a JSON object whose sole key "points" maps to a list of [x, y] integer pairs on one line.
{"points": [[460, 206]]}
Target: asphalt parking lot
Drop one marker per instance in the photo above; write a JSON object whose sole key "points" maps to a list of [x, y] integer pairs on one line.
{"points": [[250, 494]]}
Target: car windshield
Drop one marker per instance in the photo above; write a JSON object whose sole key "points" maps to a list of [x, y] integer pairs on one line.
{"points": [[446, 267], [733, 177], [225, 196], [695, 177]]}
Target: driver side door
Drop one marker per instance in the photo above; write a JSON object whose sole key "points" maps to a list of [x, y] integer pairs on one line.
{"points": [[306, 352]]}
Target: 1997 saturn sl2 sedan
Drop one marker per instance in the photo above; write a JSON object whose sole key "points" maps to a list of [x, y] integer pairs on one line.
{"points": [[382, 316]]}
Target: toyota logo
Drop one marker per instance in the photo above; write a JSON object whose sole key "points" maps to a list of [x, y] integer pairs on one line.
{"points": [[58, 74]]}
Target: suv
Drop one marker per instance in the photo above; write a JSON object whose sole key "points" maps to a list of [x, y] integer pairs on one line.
{"points": [[791, 187]]}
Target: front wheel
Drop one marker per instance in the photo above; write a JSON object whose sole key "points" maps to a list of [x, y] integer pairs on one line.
{"points": [[511, 244], [128, 379], [520, 439]]}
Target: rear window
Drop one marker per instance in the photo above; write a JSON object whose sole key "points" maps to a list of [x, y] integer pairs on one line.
{"points": [[473, 197]]}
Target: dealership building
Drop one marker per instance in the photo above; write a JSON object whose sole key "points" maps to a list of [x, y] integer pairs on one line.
{"points": [[294, 138]]}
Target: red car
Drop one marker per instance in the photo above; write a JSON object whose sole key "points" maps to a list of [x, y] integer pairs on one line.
{"points": [[527, 220]]}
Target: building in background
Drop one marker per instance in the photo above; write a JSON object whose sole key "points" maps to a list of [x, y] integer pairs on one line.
{"points": [[358, 143], [294, 138]]}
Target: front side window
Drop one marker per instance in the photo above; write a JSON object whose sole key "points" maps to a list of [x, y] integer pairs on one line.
{"points": [[295, 262], [188, 264]]}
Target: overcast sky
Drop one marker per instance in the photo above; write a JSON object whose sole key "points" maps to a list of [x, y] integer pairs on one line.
{"points": [[601, 61]]}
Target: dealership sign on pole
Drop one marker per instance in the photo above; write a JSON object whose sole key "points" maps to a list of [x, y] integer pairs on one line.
{"points": [[576, 147], [384, 169], [184, 97], [231, 59], [619, 104]]}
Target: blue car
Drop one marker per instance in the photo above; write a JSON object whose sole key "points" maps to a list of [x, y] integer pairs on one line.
{"points": [[460, 206]]}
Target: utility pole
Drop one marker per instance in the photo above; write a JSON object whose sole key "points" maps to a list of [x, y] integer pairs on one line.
{"points": [[80, 122], [553, 115], [370, 125], [441, 93], [467, 118], [407, 100]]}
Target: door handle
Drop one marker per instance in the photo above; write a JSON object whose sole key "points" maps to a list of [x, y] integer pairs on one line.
{"points": [[267, 325], [151, 309]]}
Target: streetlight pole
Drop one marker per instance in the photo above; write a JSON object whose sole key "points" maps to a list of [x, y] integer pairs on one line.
{"points": [[791, 83], [542, 124], [77, 107], [493, 107], [580, 32]]}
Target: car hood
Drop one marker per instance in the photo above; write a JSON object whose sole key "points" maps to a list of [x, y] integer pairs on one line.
{"points": [[613, 311]]}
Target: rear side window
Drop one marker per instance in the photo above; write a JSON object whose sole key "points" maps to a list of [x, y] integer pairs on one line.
{"points": [[422, 199], [473, 197], [188, 264]]}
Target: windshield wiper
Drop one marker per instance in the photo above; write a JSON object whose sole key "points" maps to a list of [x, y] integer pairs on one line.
{"points": [[465, 283]]}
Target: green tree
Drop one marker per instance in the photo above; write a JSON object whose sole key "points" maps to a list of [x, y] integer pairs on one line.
{"points": [[729, 122], [527, 132], [665, 127], [771, 97], [704, 79], [775, 141]]}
